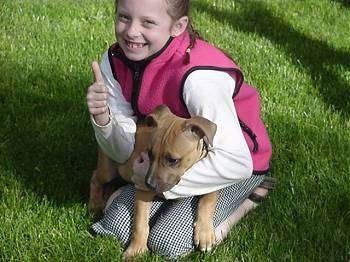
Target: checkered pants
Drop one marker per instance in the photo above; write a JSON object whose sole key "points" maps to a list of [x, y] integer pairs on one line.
{"points": [[171, 221]]}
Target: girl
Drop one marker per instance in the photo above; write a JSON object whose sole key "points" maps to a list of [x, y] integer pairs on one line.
{"points": [[160, 59]]}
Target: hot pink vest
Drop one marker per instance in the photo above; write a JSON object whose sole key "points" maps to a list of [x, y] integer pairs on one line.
{"points": [[160, 80]]}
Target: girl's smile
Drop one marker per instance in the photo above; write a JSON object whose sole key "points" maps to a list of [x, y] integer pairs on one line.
{"points": [[134, 45]]}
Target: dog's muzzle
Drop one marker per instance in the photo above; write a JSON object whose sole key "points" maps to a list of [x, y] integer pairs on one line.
{"points": [[150, 183]]}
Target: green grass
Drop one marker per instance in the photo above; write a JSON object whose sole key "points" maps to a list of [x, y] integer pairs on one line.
{"points": [[296, 52]]}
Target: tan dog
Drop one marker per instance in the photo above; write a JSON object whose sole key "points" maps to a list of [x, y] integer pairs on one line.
{"points": [[173, 144]]}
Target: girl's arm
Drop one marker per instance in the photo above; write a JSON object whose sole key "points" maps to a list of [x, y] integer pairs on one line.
{"points": [[117, 137], [208, 93]]}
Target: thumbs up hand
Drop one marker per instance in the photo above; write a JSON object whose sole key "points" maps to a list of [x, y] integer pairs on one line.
{"points": [[96, 97]]}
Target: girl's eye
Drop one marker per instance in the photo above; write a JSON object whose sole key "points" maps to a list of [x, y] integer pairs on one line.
{"points": [[123, 18], [149, 22]]}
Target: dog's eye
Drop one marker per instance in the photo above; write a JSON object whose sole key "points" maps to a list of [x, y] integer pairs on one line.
{"points": [[172, 161]]}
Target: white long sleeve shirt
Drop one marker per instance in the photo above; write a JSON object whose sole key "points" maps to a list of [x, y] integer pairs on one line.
{"points": [[206, 93]]}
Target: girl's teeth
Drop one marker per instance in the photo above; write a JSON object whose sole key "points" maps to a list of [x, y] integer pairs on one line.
{"points": [[135, 45]]}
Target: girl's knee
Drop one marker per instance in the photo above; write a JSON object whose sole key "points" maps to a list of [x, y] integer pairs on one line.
{"points": [[118, 216], [170, 243]]}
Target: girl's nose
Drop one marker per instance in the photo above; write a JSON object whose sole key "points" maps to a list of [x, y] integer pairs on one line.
{"points": [[133, 30]]}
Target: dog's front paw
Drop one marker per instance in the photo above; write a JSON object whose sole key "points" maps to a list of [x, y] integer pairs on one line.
{"points": [[204, 235], [135, 248]]}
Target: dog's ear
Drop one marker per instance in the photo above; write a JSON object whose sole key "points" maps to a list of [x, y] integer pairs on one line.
{"points": [[150, 121], [160, 111], [201, 128], [157, 114]]}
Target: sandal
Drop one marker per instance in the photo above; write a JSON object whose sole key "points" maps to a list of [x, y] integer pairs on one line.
{"points": [[268, 183]]}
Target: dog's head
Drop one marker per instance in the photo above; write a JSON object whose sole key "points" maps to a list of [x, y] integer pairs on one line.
{"points": [[175, 144]]}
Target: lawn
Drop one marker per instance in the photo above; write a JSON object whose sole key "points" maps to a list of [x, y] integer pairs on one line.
{"points": [[297, 53]]}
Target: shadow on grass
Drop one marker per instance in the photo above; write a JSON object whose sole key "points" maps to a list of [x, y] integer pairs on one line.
{"points": [[345, 3], [47, 140], [316, 56]]}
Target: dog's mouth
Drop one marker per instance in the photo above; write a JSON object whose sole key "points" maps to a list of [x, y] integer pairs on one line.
{"points": [[158, 187], [164, 188], [160, 183]]}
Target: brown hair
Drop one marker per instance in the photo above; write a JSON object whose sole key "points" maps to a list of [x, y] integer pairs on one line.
{"points": [[178, 9]]}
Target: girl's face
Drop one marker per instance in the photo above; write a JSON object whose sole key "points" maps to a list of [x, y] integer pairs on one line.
{"points": [[143, 27]]}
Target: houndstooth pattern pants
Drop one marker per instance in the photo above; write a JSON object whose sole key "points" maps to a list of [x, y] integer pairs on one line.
{"points": [[171, 221]]}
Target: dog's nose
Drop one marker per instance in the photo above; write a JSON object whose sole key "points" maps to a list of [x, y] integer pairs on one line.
{"points": [[150, 181], [151, 184]]}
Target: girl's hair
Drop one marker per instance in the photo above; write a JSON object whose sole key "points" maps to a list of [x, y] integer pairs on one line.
{"points": [[178, 9]]}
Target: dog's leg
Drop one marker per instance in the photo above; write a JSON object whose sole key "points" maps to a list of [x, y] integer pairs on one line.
{"points": [[204, 234], [140, 230], [102, 175]]}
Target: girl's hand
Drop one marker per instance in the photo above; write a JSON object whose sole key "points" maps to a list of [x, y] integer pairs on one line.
{"points": [[140, 169], [97, 97]]}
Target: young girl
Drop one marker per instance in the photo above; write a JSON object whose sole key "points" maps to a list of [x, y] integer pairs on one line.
{"points": [[160, 59]]}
